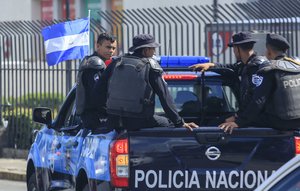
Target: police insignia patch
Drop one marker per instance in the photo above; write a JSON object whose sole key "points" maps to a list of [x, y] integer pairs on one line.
{"points": [[96, 77], [257, 80]]}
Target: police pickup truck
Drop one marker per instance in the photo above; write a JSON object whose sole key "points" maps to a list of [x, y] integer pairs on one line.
{"points": [[64, 156]]}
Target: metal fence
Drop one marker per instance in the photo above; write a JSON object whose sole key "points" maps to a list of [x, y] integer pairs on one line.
{"points": [[26, 81]]}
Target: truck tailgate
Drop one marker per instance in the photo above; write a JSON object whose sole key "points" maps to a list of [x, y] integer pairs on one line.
{"points": [[207, 158]]}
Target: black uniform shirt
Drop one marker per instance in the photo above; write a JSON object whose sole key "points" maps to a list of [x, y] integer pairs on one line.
{"points": [[249, 79]]}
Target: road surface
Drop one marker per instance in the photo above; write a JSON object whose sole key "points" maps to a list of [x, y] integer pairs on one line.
{"points": [[7, 185]]}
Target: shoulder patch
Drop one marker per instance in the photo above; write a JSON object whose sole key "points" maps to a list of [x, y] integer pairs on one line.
{"points": [[96, 77], [257, 80]]}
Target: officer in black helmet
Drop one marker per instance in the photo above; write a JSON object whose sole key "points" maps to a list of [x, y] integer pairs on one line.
{"points": [[276, 101], [128, 86]]}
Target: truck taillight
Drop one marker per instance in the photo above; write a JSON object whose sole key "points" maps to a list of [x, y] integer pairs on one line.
{"points": [[297, 145], [119, 164], [179, 77]]}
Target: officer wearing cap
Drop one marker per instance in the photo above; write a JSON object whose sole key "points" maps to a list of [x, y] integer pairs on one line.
{"points": [[128, 86], [276, 101], [246, 67]]}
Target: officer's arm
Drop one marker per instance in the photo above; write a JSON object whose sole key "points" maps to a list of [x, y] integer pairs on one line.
{"points": [[206, 66], [236, 67], [261, 95], [160, 88]]}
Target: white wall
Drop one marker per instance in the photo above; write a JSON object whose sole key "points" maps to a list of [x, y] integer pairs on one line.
{"points": [[133, 4], [35, 10], [11, 10]]}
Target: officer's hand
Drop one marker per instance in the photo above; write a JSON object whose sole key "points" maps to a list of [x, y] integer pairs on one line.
{"points": [[230, 119], [190, 126], [203, 67], [228, 126]]}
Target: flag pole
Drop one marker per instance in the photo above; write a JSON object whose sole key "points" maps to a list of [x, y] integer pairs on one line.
{"points": [[89, 31]]}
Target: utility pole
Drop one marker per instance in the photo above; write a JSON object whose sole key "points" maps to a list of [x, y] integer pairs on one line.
{"points": [[67, 9], [1, 93], [68, 62], [215, 18], [215, 9]]}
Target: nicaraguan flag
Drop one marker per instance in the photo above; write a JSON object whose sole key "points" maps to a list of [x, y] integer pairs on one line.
{"points": [[66, 41]]}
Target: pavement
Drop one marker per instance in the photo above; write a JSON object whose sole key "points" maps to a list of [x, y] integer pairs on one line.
{"points": [[13, 169]]}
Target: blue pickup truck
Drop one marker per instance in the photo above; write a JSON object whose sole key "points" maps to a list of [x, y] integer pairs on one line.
{"points": [[64, 156]]}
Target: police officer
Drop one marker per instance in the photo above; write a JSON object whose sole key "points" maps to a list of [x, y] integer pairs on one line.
{"points": [[105, 49], [128, 87], [246, 67], [276, 100], [90, 70]]}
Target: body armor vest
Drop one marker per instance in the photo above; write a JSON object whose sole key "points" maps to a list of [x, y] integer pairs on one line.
{"points": [[90, 70], [285, 102], [129, 91]]}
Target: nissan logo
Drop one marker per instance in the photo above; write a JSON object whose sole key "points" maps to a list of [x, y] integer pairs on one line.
{"points": [[213, 153]]}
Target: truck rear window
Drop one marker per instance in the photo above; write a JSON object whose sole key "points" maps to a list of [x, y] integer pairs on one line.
{"points": [[187, 96]]}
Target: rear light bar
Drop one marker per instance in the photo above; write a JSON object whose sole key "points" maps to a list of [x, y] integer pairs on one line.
{"points": [[297, 145], [119, 164], [179, 77]]}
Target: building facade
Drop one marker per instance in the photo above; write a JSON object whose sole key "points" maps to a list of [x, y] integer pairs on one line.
{"points": [[62, 9]]}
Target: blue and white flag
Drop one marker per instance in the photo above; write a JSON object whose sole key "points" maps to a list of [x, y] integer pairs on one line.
{"points": [[66, 41]]}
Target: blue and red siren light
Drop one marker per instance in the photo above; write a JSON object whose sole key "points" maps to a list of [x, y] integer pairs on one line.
{"points": [[181, 61]]}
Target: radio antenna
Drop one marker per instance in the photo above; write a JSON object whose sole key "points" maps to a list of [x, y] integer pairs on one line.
{"points": [[168, 52]]}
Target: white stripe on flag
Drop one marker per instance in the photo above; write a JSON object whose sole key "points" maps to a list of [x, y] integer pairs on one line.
{"points": [[66, 42]]}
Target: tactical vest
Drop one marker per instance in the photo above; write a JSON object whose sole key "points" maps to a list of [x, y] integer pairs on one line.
{"points": [[129, 91], [285, 102], [93, 66]]}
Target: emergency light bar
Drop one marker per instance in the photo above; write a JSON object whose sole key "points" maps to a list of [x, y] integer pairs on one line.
{"points": [[181, 61]]}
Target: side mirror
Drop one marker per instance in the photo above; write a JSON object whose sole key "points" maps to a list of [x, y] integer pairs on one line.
{"points": [[42, 115]]}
